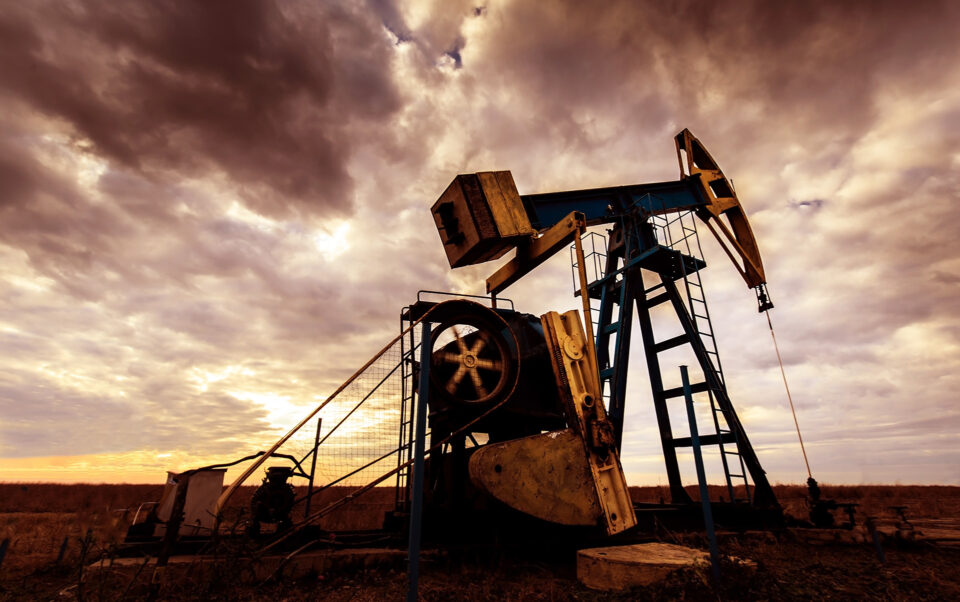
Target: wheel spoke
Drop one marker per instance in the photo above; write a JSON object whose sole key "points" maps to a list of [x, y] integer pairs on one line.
{"points": [[449, 358], [478, 383], [455, 380], [481, 341], [460, 344], [489, 364]]}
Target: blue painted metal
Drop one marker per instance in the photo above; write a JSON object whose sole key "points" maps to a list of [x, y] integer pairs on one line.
{"points": [[416, 506], [607, 205], [639, 259], [701, 475]]}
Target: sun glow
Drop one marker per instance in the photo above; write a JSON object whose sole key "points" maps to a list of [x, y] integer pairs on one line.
{"points": [[333, 243]]}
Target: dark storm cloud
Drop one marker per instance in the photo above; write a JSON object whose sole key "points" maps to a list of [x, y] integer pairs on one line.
{"points": [[208, 205], [566, 65], [259, 92]]}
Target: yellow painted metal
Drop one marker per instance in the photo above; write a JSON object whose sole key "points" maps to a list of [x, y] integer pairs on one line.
{"points": [[546, 476], [737, 238], [505, 204], [579, 387], [537, 250], [585, 300]]}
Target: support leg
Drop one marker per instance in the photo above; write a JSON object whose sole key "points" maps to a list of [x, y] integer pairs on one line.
{"points": [[677, 493], [416, 507]]}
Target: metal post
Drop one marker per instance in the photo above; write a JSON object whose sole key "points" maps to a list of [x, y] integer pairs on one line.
{"points": [[701, 476], [171, 534], [634, 278], [63, 549], [416, 507], [313, 469]]}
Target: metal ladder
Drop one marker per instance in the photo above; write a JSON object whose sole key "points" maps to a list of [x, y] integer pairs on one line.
{"points": [[408, 348], [687, 242], [595, 257]]}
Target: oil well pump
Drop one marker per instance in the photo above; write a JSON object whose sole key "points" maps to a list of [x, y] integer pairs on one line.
{"points": [[479, 414], [651, 258]]}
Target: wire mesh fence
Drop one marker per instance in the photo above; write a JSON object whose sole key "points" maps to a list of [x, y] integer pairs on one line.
{"points": [[359, 437], [364, 430]]}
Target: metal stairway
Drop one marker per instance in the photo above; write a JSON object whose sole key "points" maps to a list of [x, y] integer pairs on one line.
{"points": [[686, 240], [668, 246]]}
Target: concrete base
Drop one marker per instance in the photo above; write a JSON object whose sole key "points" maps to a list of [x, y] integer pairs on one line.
{"points": [[621, 567]]}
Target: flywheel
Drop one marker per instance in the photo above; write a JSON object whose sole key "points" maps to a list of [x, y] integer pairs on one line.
{"points": [[473, 357]]}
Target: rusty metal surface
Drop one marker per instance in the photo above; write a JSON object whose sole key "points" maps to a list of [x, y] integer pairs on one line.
{"points": [[580, 391], [546, 476], [480, 217]]}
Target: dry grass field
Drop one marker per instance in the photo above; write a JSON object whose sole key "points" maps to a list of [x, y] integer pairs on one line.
{"points": [[38, 518]]}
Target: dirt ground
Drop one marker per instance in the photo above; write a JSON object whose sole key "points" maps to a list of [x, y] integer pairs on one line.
{"points": [[787, 567]]}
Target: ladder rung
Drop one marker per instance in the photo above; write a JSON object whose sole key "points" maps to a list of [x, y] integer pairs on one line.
{"points": [[606, 373], [737, 476], [678, 391], [670, 343], [653, 288], [611, 328]]}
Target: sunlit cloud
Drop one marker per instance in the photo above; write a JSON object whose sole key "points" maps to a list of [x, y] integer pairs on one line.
{"points": [[202, 236]]}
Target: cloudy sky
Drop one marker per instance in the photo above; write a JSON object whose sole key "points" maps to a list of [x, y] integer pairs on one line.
{"points": [[211, 213]]}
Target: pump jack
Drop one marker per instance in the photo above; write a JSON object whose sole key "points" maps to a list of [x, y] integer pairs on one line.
{"points": [[548, 394], [481, 217]]}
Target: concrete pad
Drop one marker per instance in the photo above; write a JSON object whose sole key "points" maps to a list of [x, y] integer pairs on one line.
{"points": [[619, 568]]}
